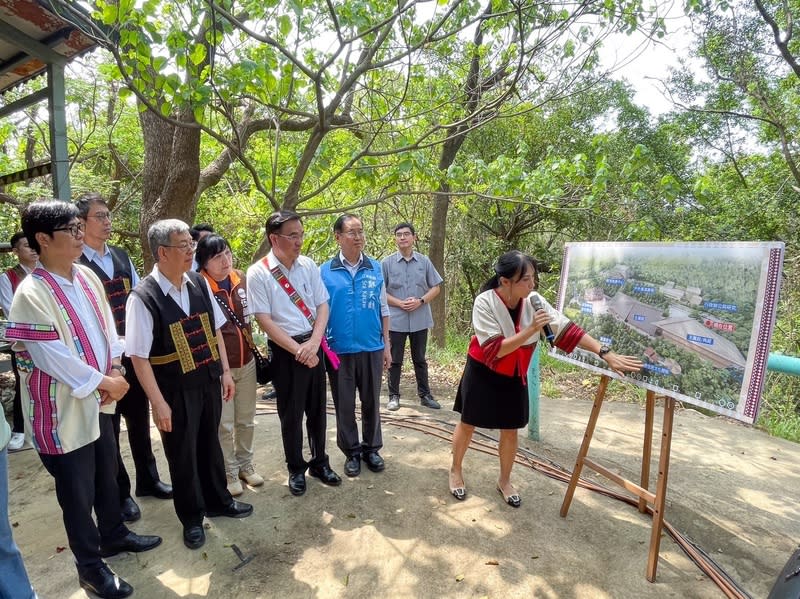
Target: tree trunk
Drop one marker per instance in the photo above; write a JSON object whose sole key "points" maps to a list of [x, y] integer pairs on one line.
{"points": [[441, 203], [456, 135], [170, 174]]}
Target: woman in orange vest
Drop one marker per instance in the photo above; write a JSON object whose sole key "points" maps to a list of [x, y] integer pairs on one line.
{"points": [[237, 423]]}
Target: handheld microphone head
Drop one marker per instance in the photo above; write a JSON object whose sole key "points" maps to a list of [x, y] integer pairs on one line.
{"points": [[536, 304]]}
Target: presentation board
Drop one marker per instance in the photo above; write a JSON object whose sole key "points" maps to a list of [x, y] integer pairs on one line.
{"points": [[699, 315]]}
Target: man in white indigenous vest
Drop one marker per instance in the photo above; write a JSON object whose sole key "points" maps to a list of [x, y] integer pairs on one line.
{"points": [[172, 334], [68, 355]]}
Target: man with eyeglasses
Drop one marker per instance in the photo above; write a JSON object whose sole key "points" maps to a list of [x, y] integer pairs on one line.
{"points": [[358, 331], [116, 271], [411, 283], [178, 352], [295, 325], [69, 357]]}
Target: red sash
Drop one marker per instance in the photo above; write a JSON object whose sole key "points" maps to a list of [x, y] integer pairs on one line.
{"points": [[286, 285]]}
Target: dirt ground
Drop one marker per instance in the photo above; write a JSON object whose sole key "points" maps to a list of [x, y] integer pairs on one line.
{"points": [[732, 489]]}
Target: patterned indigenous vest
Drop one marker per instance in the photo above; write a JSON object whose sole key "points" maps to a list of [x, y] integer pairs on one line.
{"points": [[184, 353], [118, 288], [15, 276]]}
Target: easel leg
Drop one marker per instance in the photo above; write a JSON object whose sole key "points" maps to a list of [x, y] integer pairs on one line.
{"points": [[587, 439], [661, 489], [647, 447]]}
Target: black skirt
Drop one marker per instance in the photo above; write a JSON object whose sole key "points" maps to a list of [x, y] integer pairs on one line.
{"points": [[488, 399]]}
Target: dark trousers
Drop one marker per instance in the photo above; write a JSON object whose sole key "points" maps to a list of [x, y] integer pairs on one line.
{"points": [[300, 390], [196, 465], [419, 345], [18, 423], [362, 371], [136, 410], [87, 478]]}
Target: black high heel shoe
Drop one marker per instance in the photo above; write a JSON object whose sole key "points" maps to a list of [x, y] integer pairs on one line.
{"points": [[514, 500], [459, 493]]}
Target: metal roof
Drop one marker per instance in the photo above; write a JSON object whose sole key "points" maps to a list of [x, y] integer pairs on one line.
{"points": [[31, 35]]}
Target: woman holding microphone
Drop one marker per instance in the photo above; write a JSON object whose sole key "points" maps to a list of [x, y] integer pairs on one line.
{"points": [[509, 318]]}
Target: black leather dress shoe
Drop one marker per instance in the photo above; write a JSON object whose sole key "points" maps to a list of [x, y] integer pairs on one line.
{"points": [[194, 537], [374, 461], [130, 511], [352, 467], [130, 542], [326, 475], [297, 483], [236, 509], [159, 490], [103, 583]]}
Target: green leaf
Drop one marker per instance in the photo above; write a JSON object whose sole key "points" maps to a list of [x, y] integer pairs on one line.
{"points": [[284, 24], [198, 54], [110, 14]]}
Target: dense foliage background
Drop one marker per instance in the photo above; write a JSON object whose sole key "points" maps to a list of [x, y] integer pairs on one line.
{"points": [[490, 126]]}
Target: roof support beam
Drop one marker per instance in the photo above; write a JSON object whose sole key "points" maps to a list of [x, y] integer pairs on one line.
{"points": [[23, 103], [58, 132], [30, 46]]}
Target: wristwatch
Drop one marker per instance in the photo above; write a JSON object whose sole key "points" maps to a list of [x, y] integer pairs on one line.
{"points": [[421, 300], [604, 349], [120, 368]]}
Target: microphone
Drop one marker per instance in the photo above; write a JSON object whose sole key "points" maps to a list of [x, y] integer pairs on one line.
{"points": [[536, 303]]}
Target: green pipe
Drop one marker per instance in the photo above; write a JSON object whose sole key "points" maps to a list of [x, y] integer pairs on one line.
{"points": [[785, 364], [533, 395]]}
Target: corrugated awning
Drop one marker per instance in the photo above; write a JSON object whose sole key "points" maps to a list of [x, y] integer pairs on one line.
{"points": [[31, 36]]}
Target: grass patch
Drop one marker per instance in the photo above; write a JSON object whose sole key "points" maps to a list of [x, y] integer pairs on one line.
{"points": [[786, 427], [779, 414], [453, 355], [549, 388]]}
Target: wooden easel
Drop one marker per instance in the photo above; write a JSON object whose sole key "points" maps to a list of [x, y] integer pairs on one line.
{"points": [[641, 491]]}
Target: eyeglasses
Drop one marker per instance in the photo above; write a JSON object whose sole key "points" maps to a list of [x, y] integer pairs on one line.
{"points": [[101, 216], [74, 229], [186, 246], [404, 234], [294, 237], [355, 234]]}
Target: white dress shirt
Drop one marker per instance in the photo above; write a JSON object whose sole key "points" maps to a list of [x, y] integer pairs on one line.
{"points": [[105, 261], [54, 358], [265, 296]]}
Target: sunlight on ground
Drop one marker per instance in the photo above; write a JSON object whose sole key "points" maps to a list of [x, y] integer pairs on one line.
{"points": [[183, 587], [766, 503], [587, 590]]}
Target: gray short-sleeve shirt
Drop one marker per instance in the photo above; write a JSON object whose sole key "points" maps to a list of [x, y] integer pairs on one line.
{"points": [[409, 278]]}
